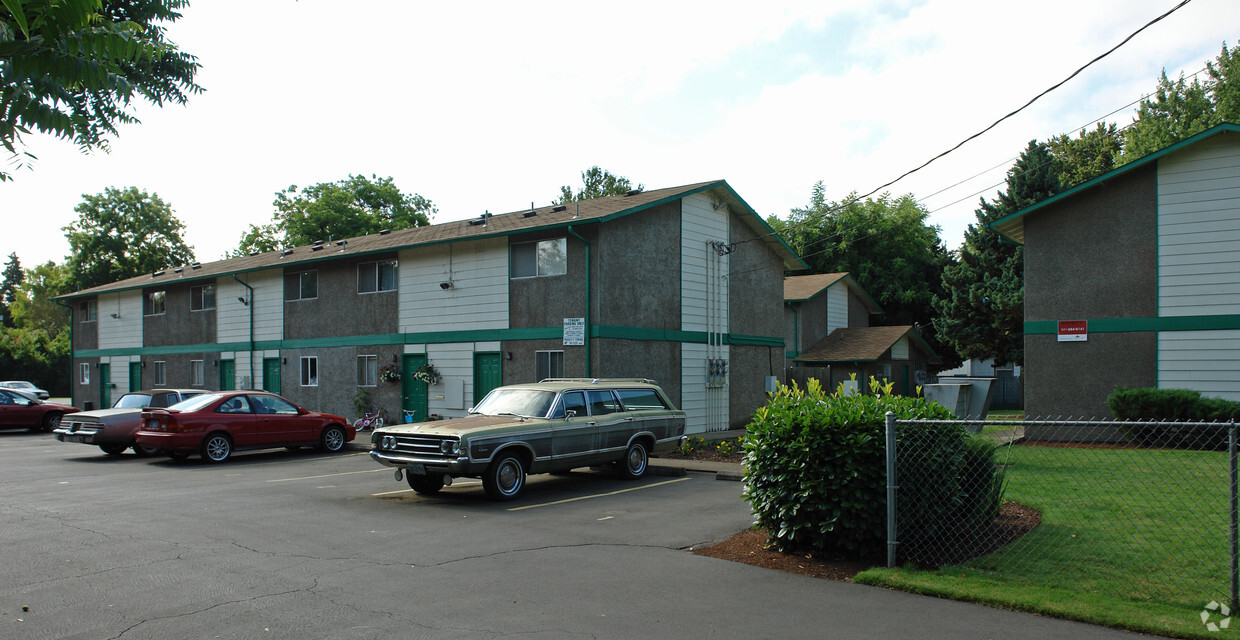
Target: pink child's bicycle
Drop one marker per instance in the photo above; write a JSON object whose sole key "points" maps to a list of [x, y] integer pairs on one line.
{"points": [[372, 420]]}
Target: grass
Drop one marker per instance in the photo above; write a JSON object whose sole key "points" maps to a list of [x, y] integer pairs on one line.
{"points": [[1135, 539]]}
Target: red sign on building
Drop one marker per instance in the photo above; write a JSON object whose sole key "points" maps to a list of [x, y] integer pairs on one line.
{"points": [[1073, 330]]}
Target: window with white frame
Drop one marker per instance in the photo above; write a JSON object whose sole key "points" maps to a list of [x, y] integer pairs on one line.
{"points": [[196, 373], [548, 364], [160, 373], [88, 311], [373, 277], [84, 373], [154, 305], [309, 371], [542, 258], [367, 371], [301, 285], [202, 298]]}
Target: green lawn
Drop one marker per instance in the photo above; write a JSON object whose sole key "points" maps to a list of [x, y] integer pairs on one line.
{"points": [[1135, 539]]}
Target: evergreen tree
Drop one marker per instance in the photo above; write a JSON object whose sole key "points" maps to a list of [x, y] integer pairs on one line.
{"points": [[981, 313], [13, 277], [1087, 156]]}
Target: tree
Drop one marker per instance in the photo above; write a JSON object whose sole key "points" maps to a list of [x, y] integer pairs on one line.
{"points": [[73, 68], [347, 208], [888, 247], [1177, 111], [13, 276], [981, 313], [1224, 84], [598, 183], [35, 346], [1087, 156], [122, 233]]}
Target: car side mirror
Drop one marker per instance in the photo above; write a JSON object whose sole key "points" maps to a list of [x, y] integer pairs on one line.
{"points": [[571, 413]]}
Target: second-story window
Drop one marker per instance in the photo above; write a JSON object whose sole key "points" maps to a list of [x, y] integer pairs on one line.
{"points": [[301, 285], [154, 303], [202, 298], [373, 277], [542, 258], [88, 311]]}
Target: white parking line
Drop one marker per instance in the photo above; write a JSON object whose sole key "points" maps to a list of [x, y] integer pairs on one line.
{"points": [[330, 475], [598, 495]]}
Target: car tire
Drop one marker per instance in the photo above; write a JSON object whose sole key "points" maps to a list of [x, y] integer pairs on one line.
{"points": [[113, 449], [145, 451], [216, 448], [505, 478], [635, 462], [51, 420], [332, 439], [427, 485]]}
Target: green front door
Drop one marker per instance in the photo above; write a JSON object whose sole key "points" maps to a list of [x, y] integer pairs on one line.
{"points": [[488, 374], [413, 393], [228, 375], [135, 376], [105, 385], [271, 375]]}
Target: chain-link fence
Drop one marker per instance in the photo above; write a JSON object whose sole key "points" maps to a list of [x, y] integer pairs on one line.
{"points": [[1144, 511]]}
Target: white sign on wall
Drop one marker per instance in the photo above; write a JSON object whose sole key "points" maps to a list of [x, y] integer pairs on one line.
{"points": [[574, 331]]}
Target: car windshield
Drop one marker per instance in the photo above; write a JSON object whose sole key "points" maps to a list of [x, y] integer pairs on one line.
{"points": [[197, 402], [531, 403], [133, 401]]}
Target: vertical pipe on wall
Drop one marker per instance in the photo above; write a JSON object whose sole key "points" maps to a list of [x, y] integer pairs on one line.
{"points": [[250, 297], [574, 234]]}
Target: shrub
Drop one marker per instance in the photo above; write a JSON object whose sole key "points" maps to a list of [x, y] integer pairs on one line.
{"points": [[816, 472], [1172, 405]]}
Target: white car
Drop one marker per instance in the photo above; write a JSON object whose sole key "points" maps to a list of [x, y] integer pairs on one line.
{"points": [[25, 387]]}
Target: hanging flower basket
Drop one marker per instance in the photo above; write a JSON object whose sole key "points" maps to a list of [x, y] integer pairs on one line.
{"points": [[390, 373], [427, 373]]}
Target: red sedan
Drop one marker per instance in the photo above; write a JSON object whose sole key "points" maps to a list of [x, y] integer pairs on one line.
{"points": [[20, 410], [216, 424]]}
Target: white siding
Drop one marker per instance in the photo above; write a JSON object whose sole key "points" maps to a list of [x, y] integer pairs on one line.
{"points": [[1199, 265], [478, 298], [125, 330], [899, 350], [232, 319], [455, 362], [700, 224], [268, 305], [118, 374], [837, 307], [1199, 230], [704, 307]]}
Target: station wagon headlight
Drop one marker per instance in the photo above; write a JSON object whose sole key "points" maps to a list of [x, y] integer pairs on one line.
{"points": [[450, 447], [387, 442]]}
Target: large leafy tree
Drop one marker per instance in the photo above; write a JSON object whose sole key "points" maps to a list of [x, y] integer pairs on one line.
{"points": [[343, 209], [74, 68], [35, 346], [888, 247], [121, 233], [596, 183], [981, 313]]}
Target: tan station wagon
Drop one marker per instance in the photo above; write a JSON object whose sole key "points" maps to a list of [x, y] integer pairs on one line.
{"points": [[554, 425]]}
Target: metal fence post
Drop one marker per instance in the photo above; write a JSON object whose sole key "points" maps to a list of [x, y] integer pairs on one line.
{"points": [[1235, 544], [892, 540]]}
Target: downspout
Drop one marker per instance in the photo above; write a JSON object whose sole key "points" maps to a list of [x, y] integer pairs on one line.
{"points": [[587, 319], [70, 378], [250, 297]]}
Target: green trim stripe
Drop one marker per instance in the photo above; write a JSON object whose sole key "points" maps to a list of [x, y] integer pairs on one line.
{"points": [[437, 337], [1123, 325]]}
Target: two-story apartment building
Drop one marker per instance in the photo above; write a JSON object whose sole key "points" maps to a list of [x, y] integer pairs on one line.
{"points": [[682, 285]]}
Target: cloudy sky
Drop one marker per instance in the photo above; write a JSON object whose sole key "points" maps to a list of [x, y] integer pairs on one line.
{"points": [[491, 106]]}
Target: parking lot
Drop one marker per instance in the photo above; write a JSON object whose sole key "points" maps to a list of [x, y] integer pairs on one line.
{"points": [[299, 544]]}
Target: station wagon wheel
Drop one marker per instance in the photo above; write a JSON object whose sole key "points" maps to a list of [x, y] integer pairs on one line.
{"points": [[216, 448], [427, 485], [505, 477], [635, 462], [113, 449], [332, 439]]}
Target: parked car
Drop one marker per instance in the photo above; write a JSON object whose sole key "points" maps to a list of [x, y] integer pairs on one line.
{"points": [[20, 410], [216, 424], [26, 387], [113, 429], [551, 426]]}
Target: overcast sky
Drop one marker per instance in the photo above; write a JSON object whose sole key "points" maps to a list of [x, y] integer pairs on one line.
{"points": [[489, 106]]}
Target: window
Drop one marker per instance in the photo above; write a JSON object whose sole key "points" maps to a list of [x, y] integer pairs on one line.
{"points": [[367, 371], [273, 405], [202, 298], [309, 371], [195, 373], [161, 373], [376, 276], [87, 311], [301, 285], [548, 364], [542, 258], [154, 303], [84, 373], [235, 404], [602, 402], [574, 401], [640, 399]]}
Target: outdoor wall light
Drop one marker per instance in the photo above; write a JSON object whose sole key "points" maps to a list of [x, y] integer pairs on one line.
{"points": [[116, 316], [508, 356], [445, 285]]}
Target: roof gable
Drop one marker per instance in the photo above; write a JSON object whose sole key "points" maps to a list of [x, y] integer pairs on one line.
{"points": [[805, 288], [864, 344]]}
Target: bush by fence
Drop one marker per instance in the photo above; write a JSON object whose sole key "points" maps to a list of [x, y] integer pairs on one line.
{"points": [[1165, 405]]}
